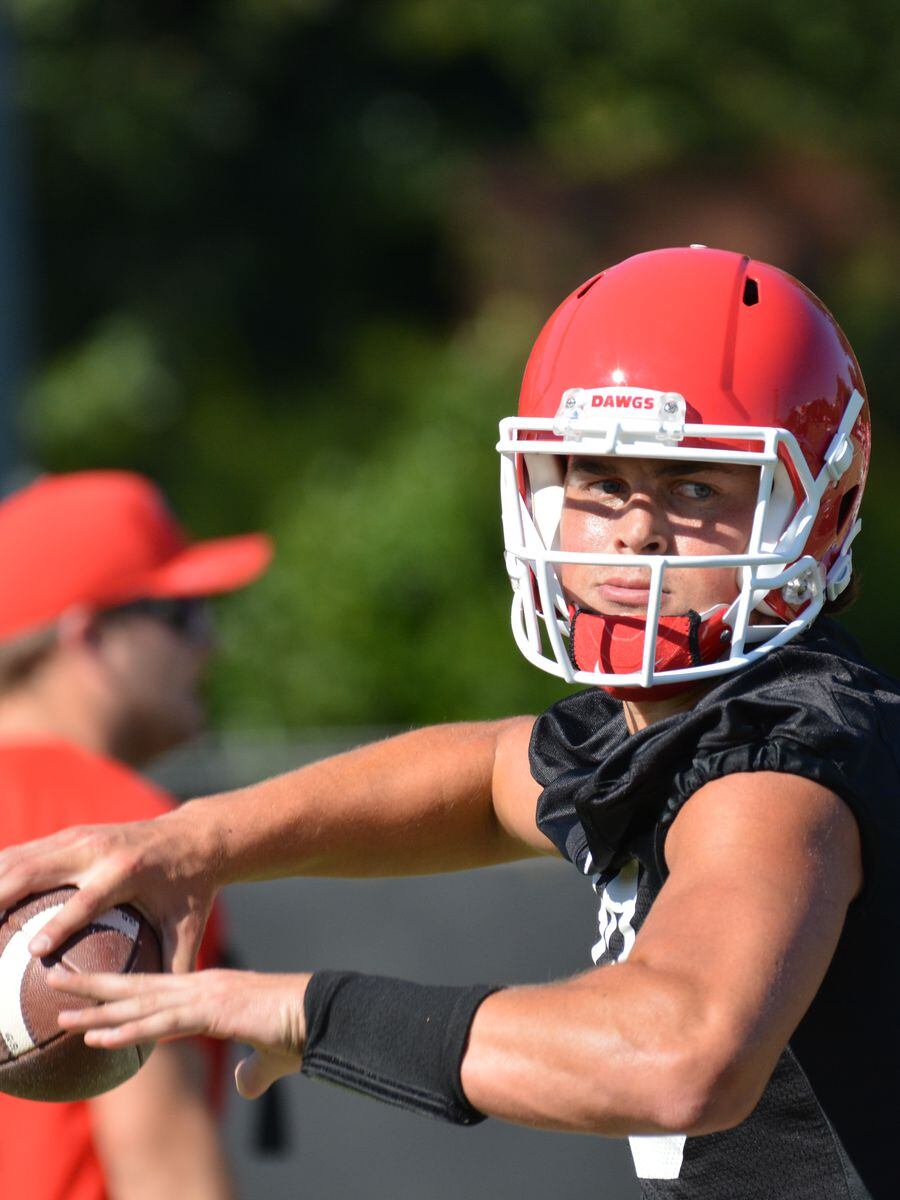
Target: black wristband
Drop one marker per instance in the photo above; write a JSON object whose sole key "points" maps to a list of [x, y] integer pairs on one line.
{"points": [[395, 1041]]}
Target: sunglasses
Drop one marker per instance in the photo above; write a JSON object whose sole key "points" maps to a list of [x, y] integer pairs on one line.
{"points": [[188, 616]]}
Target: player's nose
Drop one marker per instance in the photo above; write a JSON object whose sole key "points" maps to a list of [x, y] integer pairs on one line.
{"points": [[641, 527]]}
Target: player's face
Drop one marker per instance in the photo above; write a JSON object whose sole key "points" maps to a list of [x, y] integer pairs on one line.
{"points": [[156, 668], [654, 506]]}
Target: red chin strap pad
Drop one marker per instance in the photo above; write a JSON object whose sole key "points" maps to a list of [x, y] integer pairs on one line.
{"points": [[615, 646]]}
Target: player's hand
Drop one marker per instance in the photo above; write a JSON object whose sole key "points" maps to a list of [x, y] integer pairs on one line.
{"points": [[265, 1011], [161, 866]]}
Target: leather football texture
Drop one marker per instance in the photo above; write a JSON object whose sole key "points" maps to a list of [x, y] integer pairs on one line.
{"points": [[38, 1060]]}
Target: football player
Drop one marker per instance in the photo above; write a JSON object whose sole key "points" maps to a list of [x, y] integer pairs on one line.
{"points": [[105, 636], [681, 490]]}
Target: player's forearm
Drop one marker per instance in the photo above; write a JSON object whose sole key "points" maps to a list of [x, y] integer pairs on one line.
{"points": [[189, 1165], [156, 1137], [413, 804], [614, 1052]]}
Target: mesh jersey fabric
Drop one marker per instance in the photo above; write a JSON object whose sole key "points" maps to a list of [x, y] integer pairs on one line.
{"points": [[825, 1126], [47, 1150]]}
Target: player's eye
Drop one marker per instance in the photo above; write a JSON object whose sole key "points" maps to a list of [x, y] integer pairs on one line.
{"points": [[590, 478], [609, 487], [695, 489]]}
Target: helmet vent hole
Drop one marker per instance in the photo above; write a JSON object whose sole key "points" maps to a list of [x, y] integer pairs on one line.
{"points": [[590, 283], [846, 507], [751, 292]]}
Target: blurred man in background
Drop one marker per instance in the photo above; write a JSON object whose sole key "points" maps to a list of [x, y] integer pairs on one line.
{"points": [[104, 637]]}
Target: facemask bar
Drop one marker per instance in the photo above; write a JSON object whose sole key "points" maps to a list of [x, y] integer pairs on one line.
{"points": [[739, 654], [772, 560]]}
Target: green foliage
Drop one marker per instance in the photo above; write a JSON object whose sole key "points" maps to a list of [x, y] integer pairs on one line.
{"points": [[292, 255], [104, 393]]}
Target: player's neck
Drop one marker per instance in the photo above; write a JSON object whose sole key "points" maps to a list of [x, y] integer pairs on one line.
{"points": [[641, 713], [39, 714]]}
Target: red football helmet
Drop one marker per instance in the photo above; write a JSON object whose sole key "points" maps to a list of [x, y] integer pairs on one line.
{"points": [[694, 354]]}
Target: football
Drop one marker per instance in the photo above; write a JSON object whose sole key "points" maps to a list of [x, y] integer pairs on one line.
{"points": [[38, 1060]]}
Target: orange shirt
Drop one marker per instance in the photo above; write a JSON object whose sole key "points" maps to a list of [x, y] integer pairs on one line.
{"points": [[46, 1150]]}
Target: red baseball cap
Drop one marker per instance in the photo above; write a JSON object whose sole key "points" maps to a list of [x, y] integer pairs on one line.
{"points": [[104, 538]]}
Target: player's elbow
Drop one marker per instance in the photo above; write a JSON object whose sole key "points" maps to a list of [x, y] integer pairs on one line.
{"points": [[699, 1105], [686, 1084], [708, 1087]]}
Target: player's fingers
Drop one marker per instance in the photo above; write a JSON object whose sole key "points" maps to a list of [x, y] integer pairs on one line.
{"points": [[85, 904], [116, 1012], [257, 1072], [27, 857], [181, 942], [110, 985], [101, 986], [50, 862], [25, 878], [174, 1022], [113, 1014]]}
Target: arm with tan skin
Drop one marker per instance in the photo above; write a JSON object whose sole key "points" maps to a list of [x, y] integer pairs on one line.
{"points": [[440, 799], [682, 1037], [155, 1135]]}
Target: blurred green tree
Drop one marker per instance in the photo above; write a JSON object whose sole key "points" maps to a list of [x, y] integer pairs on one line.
{"points": [[292, 255]]}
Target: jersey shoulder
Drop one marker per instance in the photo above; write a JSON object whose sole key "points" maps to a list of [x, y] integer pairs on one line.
{"points": [[815, 707]]}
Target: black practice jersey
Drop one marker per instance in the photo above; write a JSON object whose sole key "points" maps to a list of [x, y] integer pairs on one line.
{"points": [[827, 1123]]}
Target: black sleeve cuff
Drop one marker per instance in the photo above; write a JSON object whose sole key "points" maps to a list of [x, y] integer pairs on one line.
{"points": [[396, 1041]]}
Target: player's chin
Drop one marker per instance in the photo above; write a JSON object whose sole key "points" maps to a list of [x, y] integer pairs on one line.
{"points": [[184, 722], [194, 723]]}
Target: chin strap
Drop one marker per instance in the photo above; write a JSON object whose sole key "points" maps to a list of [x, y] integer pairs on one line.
{"points": [[615, 646]]}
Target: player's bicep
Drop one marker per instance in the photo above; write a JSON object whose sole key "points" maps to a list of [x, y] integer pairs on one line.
{"points": [[762, 869], [515, 791]]}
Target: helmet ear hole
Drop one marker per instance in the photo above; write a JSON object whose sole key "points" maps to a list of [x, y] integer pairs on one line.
{"points": [[846, 508]]}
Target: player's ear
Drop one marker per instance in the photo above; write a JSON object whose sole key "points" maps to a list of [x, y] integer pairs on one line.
{"points": [[78, 627]]}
